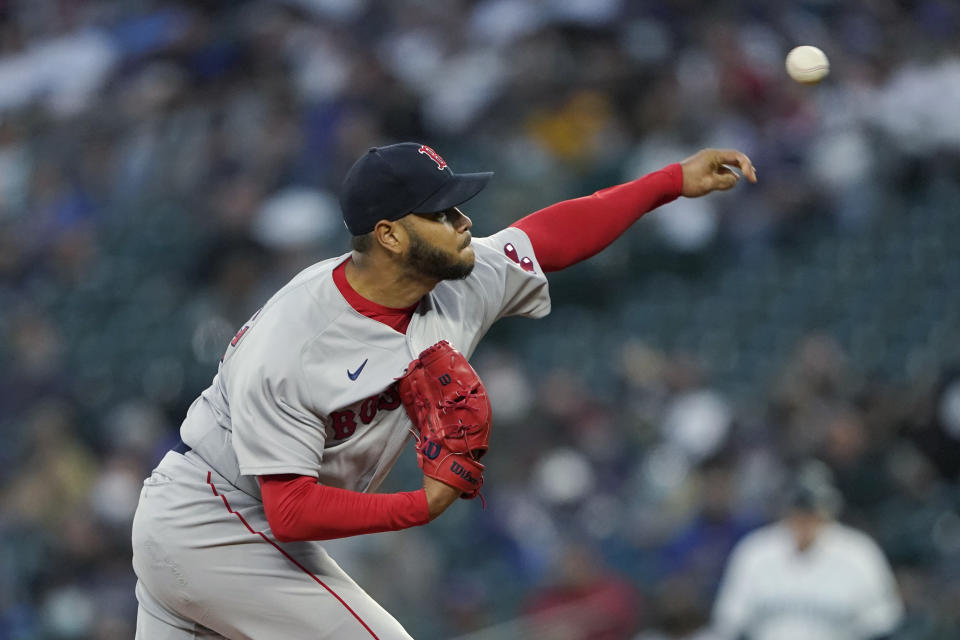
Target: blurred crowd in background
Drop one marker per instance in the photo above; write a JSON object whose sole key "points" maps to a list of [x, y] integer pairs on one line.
{"points": [[165, 166]]}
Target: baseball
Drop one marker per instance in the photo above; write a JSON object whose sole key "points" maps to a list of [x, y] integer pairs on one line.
{"points": [[807, 64]]}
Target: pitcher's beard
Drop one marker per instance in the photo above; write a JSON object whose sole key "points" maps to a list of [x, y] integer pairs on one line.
{"points": [[429, 261]]}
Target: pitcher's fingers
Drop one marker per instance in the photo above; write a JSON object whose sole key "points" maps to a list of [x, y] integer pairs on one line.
{"points": [[726, 180], [738, 159]]}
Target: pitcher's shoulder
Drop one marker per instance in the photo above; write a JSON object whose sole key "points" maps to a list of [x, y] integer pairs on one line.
{"points": [[300, 309]]}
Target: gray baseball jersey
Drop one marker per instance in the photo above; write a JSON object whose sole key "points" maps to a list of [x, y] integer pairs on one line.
{"points": [[305, 387]]}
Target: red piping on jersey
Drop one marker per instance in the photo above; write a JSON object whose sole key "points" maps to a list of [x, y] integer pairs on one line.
{"points": [[396, 319], [289, 557], [568, 232]]}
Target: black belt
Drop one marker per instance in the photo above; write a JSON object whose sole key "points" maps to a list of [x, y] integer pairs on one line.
{"points": [[181, 447]]}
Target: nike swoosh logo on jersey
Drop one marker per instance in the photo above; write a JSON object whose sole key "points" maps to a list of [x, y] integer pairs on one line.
{"points": [[353, 376]]}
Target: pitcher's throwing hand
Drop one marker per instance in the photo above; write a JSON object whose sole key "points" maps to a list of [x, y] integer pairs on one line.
{"points": [[712, 170]]}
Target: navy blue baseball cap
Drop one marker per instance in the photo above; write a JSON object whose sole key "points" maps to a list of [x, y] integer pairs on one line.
{"points": [[811, 489], [389, 182]]}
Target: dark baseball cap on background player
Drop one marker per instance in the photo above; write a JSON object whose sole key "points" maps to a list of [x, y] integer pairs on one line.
{"points": [[811, 490], [387, 183]]}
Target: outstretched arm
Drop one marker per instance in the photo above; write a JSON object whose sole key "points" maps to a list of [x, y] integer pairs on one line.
{"points": [[568, 232]]}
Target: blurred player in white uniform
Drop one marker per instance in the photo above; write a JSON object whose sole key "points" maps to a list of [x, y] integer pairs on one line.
{"points": [[302, 421], [807, 576]]}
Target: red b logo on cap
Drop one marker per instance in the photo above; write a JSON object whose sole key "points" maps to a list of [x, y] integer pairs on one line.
{"points": [[433, 155]]}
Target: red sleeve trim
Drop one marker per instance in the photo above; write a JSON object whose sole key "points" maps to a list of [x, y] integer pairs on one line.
{"points": [[571, 231], [298, 508]]}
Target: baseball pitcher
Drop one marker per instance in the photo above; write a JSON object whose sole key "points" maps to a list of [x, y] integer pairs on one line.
{"points": [[319, 391]]}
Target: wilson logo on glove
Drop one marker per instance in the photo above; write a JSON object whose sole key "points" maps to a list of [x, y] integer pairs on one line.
{"points": [[458, 469], [431, 449]]}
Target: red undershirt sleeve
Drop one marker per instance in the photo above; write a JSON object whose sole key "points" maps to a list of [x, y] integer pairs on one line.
{"points": [[568, 232], [298, 508]]}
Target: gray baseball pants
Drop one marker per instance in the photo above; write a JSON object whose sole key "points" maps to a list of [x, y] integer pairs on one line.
{"points": [[208, 566]]}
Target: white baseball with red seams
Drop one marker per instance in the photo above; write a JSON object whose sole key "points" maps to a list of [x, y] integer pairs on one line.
{"points": [[807, 64], [306, 387]]}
